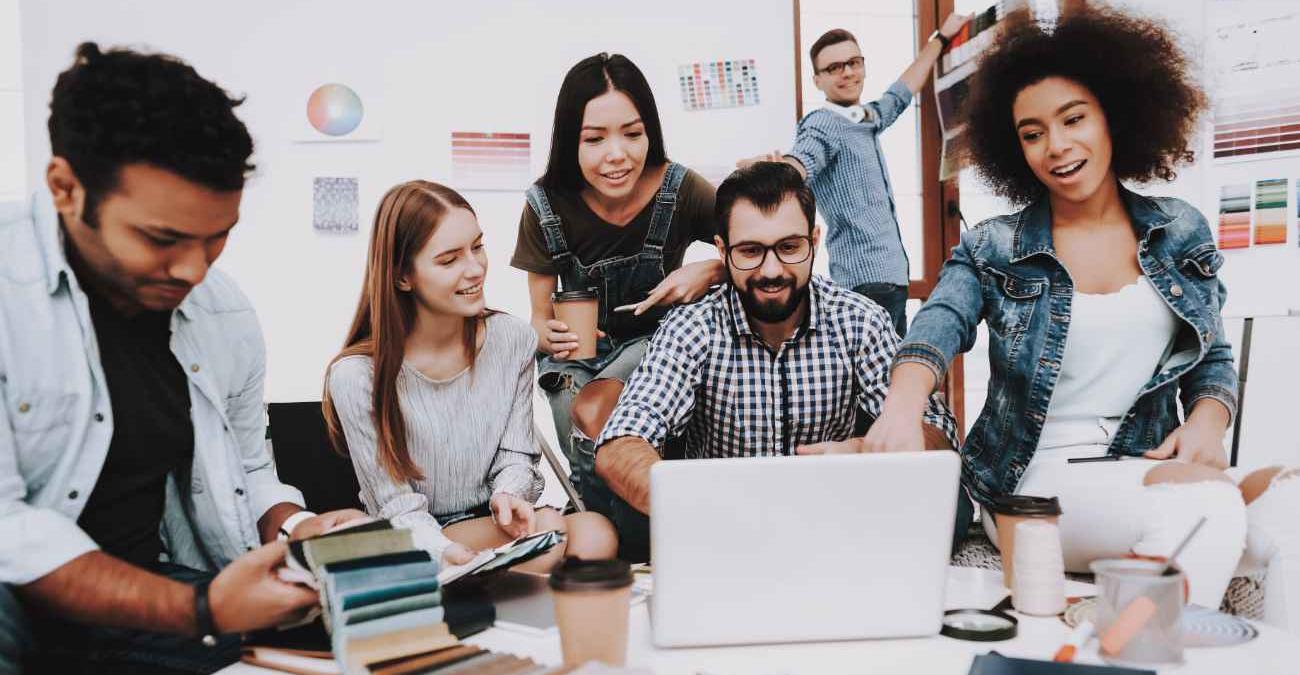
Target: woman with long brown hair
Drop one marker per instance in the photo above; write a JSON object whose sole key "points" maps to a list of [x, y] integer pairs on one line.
{"points": [[432, 394]]}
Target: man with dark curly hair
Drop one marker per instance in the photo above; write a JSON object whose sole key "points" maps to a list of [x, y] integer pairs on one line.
{"points": [[837, 149], [132, 426], [1103, 309]]}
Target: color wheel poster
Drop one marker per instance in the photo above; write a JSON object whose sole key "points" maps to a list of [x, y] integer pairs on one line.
{"points": [[1255, 78], [332, 112]]}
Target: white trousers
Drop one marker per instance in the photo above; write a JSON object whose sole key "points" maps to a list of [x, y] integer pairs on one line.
{"points": [[1108, 512]]}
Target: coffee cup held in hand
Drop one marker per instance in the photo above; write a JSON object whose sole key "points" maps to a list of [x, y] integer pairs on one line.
{"points": [[579, 311], [592, 601]]}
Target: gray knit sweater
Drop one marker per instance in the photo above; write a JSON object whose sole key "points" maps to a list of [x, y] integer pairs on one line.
{"points": [[471, 435]]}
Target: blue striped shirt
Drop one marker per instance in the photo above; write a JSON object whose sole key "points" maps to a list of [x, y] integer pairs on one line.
{"points": [[847, 174]]}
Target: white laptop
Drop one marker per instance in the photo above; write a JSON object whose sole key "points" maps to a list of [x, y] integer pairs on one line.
{"points": [[789, 549]]}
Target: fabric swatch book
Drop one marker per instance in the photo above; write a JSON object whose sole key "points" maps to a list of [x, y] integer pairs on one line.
{"points": [[505, 556], [382, 598]]}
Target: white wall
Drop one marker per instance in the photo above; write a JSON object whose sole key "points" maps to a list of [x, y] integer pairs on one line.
{"points": [[429, 69], [12, 179], [1261, 282]]}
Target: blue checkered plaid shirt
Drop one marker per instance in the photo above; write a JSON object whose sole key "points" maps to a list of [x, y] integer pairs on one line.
{"points": [[847, 174], [707, 375]]}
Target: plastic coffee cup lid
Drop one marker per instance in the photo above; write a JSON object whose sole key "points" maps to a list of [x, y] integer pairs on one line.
{"points": [[574, 574], [1026, 505], [568, 296]]}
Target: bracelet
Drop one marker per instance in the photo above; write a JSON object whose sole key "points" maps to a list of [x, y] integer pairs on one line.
{"points": [[207, 628], [943, 40], [287, 527]]}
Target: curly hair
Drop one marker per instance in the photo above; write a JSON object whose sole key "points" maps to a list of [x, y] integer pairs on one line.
{"points": [[122, 107], [1134, 67]]}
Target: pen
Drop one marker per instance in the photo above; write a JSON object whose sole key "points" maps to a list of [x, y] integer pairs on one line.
{"points": [[1082, 633], [1102, 458]]}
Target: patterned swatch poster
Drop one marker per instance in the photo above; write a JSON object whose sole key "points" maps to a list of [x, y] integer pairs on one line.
{"points": [[1270, 211], [718, 84], [490, 160], [1234, 216], [334, 205]]}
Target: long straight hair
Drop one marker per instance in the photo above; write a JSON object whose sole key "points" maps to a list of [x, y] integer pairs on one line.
{"points": [[407, 216], [588, 79]]}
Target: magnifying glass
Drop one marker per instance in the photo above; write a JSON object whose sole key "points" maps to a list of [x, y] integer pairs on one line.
{"points": [[978, 625]]}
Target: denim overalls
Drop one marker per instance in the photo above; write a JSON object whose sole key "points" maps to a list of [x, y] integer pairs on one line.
{"points": [[619, 281]]}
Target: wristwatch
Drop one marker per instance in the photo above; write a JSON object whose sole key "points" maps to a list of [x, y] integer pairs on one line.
{"points": [[203, 615], [942, 39]]}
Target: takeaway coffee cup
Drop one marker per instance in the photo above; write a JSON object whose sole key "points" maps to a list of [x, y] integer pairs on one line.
{"points": [[592, 601], [1011, 510], [578, 310]]}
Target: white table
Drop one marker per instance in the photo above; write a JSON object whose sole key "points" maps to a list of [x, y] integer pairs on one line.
{"points": [[1274, 651]]}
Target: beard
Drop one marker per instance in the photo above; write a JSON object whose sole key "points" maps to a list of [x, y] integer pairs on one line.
{"points": [[772, 310]]}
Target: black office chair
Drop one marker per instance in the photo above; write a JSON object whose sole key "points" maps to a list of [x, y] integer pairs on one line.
{"points": [[305, 460]]}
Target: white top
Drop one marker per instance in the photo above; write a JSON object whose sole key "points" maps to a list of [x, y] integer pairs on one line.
{"points": [[1115, 344], [471, 434]]}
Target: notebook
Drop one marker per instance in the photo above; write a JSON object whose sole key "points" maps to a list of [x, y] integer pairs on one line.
{"points": [[994, 663]]}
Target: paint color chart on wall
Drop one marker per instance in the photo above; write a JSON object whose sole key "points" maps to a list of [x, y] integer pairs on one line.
{"points": [[1254, 68], [718, 84], [1234, 216], [490, 160], [1270, 212], [1252, 126]]}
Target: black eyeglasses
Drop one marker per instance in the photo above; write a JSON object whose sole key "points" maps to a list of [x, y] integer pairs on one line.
{"points": [[839, 66], [749, 255]]}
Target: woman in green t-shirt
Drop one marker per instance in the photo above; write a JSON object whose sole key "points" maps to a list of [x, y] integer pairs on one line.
{"points": [[610, 213]]}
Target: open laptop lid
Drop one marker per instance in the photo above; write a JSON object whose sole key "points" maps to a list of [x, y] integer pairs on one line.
{"points": [[782, 549]]}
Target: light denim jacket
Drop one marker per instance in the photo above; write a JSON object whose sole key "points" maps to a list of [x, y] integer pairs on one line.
{"points": [[56, 421], [1005, 272]]}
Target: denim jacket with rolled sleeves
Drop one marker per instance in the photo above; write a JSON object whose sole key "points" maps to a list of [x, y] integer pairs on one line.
{"points": [[1005, 272]]}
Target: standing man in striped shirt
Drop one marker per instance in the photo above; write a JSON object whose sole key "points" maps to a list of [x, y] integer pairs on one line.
{"points": [[837, 149], [778, 361]]}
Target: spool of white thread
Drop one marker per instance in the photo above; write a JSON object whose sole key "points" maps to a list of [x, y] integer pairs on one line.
{"points": [[1038, 582]]}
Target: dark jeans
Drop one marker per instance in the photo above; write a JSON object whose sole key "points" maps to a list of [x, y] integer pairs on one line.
{"points": [[633, 527], [45, 644], [892, 298]]}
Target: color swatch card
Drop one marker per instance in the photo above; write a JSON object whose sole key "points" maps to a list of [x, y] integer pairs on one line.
{"points": [[718, 84], [971, 40], [483, 160], [1270, 211], [1234, 216]]}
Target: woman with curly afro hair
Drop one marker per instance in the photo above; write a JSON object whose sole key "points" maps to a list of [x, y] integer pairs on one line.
{"points": [[1103, 312]]}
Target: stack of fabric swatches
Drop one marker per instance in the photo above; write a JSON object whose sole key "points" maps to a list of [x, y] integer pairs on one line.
{"points": [[380, 595]]}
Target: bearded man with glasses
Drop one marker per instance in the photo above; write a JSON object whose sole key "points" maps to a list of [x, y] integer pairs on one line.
{"points": [[777, 361], [837, 150]]}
